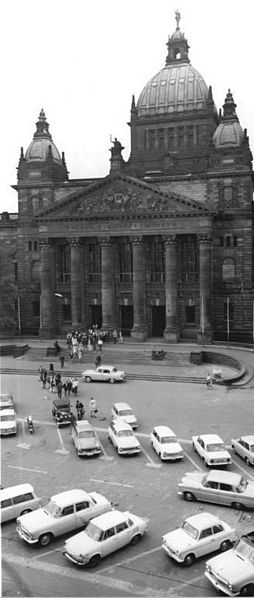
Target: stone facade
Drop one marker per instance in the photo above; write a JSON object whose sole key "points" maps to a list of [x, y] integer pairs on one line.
{"points": [[163, 245]]}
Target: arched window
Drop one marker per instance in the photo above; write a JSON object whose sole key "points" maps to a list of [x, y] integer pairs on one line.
{"points": [[228, 270], [177, 54]]}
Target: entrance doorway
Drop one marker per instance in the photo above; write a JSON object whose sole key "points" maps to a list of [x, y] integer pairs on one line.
{"points": [[158, 320], [96, 315], [126, 319]]}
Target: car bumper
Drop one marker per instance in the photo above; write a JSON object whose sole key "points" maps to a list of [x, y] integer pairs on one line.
{"points": [[9, 432], [25, 537], [77, 561], [133, 451], [171, 457], [219, 585], [172, 554], [88, 453]]}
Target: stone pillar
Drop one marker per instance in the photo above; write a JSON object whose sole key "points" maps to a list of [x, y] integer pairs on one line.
{"points": [[47, 299], [205, 276], [139, 330], [107, 284], [171, 332], [75, 282]]}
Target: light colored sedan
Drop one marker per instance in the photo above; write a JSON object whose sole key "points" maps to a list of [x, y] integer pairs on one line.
{"points": [[244, 447], [104, 373], [165, 443], [122, 437], [8, 422], [218, 486], [199, 534], [233, 572], [65, 512], [124, 412], [104, 535], [211, 449]]}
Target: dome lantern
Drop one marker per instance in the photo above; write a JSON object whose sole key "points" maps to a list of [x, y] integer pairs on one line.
{"points": [[177, 45]]}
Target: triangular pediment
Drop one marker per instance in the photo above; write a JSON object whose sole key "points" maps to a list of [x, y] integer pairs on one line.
{"points": [[121, 196]]}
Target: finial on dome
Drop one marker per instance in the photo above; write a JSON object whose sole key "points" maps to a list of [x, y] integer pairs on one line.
{"points": [[177, 18], [229, 107], [42, 115]]}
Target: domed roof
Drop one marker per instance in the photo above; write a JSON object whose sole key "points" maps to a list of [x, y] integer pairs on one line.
{"points": [[229, 132], [42, 145], [175, 88]]}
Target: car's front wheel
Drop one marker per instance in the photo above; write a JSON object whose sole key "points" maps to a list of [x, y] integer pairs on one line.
{"points": [[189, 559], [94, 560], [45, 539], [112, 380], [188, 496], [88, 379], [225, 545], [237, 505]]}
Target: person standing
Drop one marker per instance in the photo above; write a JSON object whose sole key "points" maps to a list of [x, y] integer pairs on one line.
{"points": [[93, 407], [75, 386], [72, 421], [62, 359], [69, 387]]}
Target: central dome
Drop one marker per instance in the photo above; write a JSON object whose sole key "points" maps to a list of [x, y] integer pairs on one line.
{"points": [[175, 88]]}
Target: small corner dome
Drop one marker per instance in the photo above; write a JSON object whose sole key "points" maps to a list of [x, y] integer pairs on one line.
{"points": [[42, 145], [228, 134]]}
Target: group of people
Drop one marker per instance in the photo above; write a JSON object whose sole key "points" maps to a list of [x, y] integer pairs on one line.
{"points": [[81, 410], [54, 383], [91, 338]]}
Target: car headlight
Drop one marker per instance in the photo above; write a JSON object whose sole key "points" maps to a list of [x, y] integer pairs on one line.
{"points": [[120, 449]]}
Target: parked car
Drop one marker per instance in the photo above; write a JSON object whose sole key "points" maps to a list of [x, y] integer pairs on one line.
{"points": [[122, 437], [17, 500], [6, 400], [233, 572], [8, 422], [65, 512], [211, 449], [124, 411], [218, 486], [85, 439], [104, 373], [104, 535], [244, 447], [164, 442], [61, 412], [198, 535]]}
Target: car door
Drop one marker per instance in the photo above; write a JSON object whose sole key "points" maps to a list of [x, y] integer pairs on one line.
{"points": [[83, 513], [219, 535], [106, 374], [200, 447], [227, 494], [66, 521], [241, 448], [209, 491], [205, 542], [109, 541], [123, 534]]}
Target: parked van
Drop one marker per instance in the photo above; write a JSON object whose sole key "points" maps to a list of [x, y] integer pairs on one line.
{"points": [[17, 500]]}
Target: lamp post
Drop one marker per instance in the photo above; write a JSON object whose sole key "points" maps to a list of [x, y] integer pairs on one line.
{"points": [[19, 314], [228, 301]]}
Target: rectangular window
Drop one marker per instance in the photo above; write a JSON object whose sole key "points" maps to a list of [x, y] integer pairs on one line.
{"points": [[228, 241], [235, 241], [155, 261], [63, 262], [29, 245], [94, 262], [36, 309], [187, 259], [35, 245], [222, 241], [190, 314], [125, 263]]}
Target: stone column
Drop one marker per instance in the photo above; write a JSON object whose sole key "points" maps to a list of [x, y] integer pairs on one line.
{"points": [[205, 277], [139, 330], [107, 284], [171, 332], [75, 282], [47, 299]]}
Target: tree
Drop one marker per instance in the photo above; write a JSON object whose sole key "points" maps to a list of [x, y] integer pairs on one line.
{"points": [[8, 315]]}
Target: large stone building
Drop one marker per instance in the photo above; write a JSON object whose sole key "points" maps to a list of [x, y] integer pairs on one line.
{"points": [[163, 245]]}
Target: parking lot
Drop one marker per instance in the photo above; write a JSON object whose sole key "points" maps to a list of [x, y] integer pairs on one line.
{"points": [[142, 483]]}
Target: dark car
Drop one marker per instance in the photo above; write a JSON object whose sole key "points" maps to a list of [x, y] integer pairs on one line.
{"points": [[61, 412]]}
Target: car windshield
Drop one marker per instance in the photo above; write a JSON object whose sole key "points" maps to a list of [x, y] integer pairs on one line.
{"points": [[167, 439], [86, 434], [7, 418], [93, 532], [242, 485], [125, 412], [217, 446], [190, 530], [244, 550], [53, 509], [125, 433], [114, 370]]}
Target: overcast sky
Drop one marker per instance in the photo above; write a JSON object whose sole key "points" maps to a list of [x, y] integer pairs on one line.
{"points": [[82, 60]]}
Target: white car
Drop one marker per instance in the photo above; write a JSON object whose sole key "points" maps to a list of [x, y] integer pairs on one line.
{"points": [[122, 437], [104, 373], [165, 443], [211, 449], [104, 535], [218, 486], [8, 422], [124, 412], [233, 573], [85, 439], [244, 447], [198, 535], [64, 513]]}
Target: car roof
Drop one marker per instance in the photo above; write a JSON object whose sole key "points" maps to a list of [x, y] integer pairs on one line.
{"points": [[211, 437], [249, 438], [83, 424], [110, 518], [122, 406], [164, 431], [61, 402], [120, 424], [227, 477], [201, 520], [69, 496], [15, 491]]}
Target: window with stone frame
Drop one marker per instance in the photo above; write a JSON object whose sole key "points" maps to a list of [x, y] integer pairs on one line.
{"points": [[171, 138], [94, 262], [161, 138], [156, 262], [125, 263], [228, 270], [151, 137], [190, 136], [188, 265], [63, 262]]}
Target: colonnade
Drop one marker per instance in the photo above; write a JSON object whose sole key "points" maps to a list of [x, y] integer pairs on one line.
{"points": [[139, 330]]}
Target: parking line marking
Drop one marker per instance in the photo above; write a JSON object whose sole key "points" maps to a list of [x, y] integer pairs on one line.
{"points": [[151, 462], [62, 449], [192, 461], [132, 558], [244, 470], [111, 483], [105, 456], [27, 469]]}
